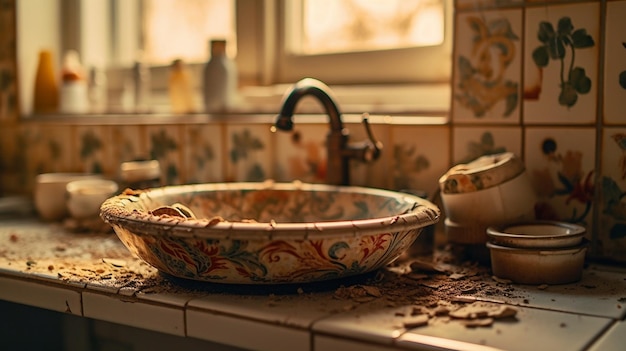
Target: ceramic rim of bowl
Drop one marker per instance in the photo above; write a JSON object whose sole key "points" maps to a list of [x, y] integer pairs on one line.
{"points": [[482, 173], [535, 234], [114, 211]]}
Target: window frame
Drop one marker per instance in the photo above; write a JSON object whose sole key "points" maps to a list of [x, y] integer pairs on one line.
{"points": [[270, 61]]}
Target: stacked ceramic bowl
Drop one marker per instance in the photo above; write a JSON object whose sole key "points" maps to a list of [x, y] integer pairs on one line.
{"points": [[538, 252], [488, 191]]}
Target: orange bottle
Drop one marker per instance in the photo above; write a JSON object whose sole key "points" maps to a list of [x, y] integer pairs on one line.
{"points": [[46, 96]]}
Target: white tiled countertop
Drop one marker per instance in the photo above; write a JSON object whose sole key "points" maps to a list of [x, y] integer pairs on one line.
{"points": [[94, 276]]}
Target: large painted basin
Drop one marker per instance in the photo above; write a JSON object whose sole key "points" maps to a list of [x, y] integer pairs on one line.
{"points": [[267, 233]]}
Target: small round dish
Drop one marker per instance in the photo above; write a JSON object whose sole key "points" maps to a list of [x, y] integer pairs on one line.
{"points": [[537, 234], [538, 266]]}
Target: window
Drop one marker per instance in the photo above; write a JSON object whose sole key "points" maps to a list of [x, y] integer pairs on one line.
{"points": [[174, 29], [338, 41], [341, 42]]}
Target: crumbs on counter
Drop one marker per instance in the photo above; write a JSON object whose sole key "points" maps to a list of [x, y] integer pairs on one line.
{"points": [[436, 291]]}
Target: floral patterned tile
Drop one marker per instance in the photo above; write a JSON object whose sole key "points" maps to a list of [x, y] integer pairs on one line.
{"points": [[561, 163], [473, 142], [51, 148], [612, 223], [248, 148], [301, 154], [561, 63], [165, 145], [487, 69], [204, 155], [93, 156], [128, 143], [375, 173], [615, 62], [420, 156]]}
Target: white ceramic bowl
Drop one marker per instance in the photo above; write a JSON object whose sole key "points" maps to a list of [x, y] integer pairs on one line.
{"points": [[50, 193], [511, 201], [538, 266], [268, 233], [84, 197], [537, 234]]}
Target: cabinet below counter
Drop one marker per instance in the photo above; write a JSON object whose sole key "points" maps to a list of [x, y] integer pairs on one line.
{"points": [[415, 304]]}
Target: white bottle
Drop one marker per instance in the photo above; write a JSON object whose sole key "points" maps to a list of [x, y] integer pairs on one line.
{"points": [[220, 79], [73, 85]]}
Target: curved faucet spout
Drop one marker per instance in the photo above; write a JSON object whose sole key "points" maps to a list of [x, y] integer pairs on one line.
{"points": [[339, 152], [313, 87]]}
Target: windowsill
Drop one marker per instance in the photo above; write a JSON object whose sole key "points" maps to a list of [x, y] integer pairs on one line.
{"points": [[424, 101]]}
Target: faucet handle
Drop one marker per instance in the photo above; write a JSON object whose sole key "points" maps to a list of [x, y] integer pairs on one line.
{"points": [[371, 148]]}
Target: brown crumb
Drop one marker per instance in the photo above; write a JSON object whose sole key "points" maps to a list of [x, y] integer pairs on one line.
{"points": [[415, 321]]}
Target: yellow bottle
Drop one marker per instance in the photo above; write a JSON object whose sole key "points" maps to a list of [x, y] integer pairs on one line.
{"points": [[180, 91], [46, 95]]}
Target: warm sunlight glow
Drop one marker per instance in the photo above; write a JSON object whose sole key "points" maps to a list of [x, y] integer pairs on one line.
{"points": [[183, 28], [363, 25]]}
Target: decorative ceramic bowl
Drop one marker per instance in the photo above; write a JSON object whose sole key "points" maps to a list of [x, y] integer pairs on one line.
{"points": [[267, 233], [537, 234]]}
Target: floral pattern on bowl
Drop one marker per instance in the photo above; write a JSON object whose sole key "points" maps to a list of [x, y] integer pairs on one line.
{"points": [[269, 233]]}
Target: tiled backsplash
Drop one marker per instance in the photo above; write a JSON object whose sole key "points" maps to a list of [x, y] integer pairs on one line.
{"points": [[542, 79]]}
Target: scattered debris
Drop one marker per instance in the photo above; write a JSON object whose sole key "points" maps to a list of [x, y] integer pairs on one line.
{"points": [[501, 281], [415, 321], [114, 262]]}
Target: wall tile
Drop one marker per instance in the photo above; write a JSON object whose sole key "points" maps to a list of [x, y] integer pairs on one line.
{"points": [[301, 154], [249, 151], [470, 143], [165, 145], [560, 162], [420, 157], [203, 153], [615, 63], [487, 67], [561, 91], [128, 143], [93, 156], [52, 148], [612, 222]]}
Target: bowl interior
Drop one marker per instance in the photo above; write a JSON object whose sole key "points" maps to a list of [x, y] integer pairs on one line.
{"points": [[539, 229], [297, 205]]}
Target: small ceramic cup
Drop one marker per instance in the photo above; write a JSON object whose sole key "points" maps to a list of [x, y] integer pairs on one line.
{"points": [[50, 193], [84, 197]]}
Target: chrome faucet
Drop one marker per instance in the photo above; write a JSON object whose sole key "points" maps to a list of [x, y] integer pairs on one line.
{"points": [[339, 150]]}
